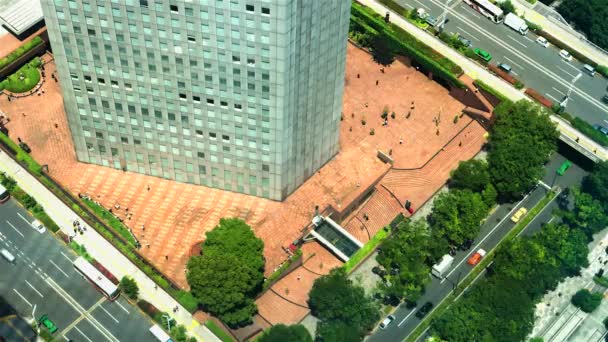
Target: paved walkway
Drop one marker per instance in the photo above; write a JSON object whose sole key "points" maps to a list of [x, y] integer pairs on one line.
{"points": [[100, 249], [476, 71]]}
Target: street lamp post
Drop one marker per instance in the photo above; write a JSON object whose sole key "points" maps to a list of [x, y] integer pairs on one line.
{"points": [[34, 318], [443, 18], [564, 102]]}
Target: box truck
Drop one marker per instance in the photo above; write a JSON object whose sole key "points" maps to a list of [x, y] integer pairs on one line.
{"points": [[440, 269], [516, 23]]}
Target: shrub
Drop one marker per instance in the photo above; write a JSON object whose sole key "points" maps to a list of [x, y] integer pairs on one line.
{"points": [[588, 130], [129, 287], [586, 300], [539, 98], [505, 76], [148, 308], [20, 51], [602, 69]]}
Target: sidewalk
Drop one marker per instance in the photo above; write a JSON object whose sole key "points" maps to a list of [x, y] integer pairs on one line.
{"points": [[476, 71], [102, 250], [558, 32]]}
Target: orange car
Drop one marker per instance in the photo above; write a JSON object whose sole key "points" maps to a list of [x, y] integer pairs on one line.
{"points": [[475, 258]]}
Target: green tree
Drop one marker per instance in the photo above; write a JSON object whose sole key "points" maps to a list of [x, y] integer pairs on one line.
{"points": [[382, 52], [406, 252], [596, 183], [129, 287], [588, 214], [471, 175], [457, 215], [178, 333], [521, 141], [337, 331], [589, 17], [507, 7], [229, 273], [586, 300], [335, 299], [489, 195], [281, 333]]}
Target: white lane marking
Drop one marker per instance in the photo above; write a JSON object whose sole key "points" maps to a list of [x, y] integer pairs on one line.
{"points": [[67, 257], [81, 333], [122, 307], [518, 42], [15, 228], [526, 37], [517, 65], [467, 33], [569, 64], [551, 97], [60, 270], [66, 338], [109, 314], [35, 290], [557, 90], [24, 219], [406, 317], [20, 295], [423, 5], [474, 249], [562, 69]]}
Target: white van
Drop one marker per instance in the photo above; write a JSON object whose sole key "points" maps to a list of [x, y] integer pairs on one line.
{"points": [[589, 69], [160, 334], [8, 256]]}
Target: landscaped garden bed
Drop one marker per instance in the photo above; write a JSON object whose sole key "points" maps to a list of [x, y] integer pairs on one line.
{"points": [[25, 79]]}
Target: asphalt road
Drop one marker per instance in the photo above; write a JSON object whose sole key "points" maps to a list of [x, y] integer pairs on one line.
{"points": [[43, 276], [492, 231], [537, 67]]}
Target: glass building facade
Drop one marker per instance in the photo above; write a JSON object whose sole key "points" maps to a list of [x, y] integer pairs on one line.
{"points": [[241, 95]]}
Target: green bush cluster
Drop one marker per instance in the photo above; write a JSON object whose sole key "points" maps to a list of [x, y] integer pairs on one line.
{"points": [[81, 251], [401, 42], [30, 74], [20, 51], [582, 126], [129, 286], [602, 69], [586, 300]]}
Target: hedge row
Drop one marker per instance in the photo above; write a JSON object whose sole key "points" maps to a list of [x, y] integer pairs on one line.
{"points": [[20, 51], [483, 86], [405, 44], [506, 76], [582, 126], [539, 98]]}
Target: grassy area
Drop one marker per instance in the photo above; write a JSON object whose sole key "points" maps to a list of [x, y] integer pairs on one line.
{"points": [[20, 51], [367, 249], [219, 332], [25, 79], [112, 220], [468, 280]]}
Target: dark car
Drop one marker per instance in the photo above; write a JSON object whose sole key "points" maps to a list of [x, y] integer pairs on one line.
{"points": [[424, 310], [605, 98], [464, 41], [466, 245], [601, 129]]}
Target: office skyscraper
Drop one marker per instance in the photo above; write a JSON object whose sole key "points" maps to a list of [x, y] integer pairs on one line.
{"points": [[242, 95]]}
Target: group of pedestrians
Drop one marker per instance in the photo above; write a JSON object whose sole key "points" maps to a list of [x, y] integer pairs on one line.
{"points": [[78, 228]]}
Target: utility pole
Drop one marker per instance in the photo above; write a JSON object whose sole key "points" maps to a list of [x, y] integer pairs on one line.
{"points": [[443, 18], [564, 102], [36, 321]]}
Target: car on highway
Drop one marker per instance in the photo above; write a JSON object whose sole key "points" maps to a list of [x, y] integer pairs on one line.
{"points": [[504, 67], [7, 255], [476, 258], [387, 321], [425, 309], [542, 41], [483, 54], [565, 55], [602, 129], [519, 214], [46, 321], [40, 228]]}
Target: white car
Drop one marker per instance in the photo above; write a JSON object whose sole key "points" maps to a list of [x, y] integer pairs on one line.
{"points": [[40, 228], [387, 321], [565, 55], [542, 41]]}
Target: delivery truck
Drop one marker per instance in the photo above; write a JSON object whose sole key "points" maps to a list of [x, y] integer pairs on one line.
{"points": [[516, 23], [440, 269]]}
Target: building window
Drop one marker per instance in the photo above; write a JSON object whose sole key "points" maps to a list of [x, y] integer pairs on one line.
{"points": [[226, 138], [173, 8], [249, 8], [265, 167], [143, 3], [183, 96], [212, 136], [210, 101], [266, 10], [224, 104]]}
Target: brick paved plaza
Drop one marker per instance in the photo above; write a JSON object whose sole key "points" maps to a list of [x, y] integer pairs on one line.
{"points": [[177, 215]]}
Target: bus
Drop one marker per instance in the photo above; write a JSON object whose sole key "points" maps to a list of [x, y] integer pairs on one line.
{"points": [[101, 282], [160, 334], [487, 9]]}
